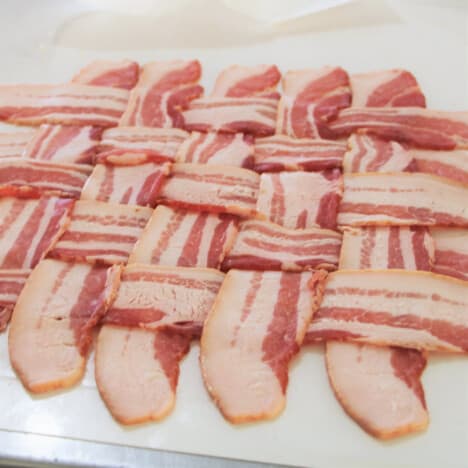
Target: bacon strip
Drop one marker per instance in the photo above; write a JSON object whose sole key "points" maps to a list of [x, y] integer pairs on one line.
{"points": [[101, 232], [30, 228], [68, 104], [402, 199], [310, 97], [410, 309], [11, 284], [252, 115], [423, 128], [31, 179], [300, 200], [386, 88], [230, 149], [184, 238], [65, 144], [121, 74], [451, 252], [12, 145], [131, 185], [283, 153], [257, 325], [371, 154], [261, 245], [136, 145], [212, 188], [52, 324], [162, 91]]}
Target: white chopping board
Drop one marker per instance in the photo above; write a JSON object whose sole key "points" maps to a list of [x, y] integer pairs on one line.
{"points": [[424, 37]]}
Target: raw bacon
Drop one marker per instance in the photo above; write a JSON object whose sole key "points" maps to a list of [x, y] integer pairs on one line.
{"points": [[162, 91], [371, 154], [115, 74], [411, 309], [184, 238], [229, 149], [30, 228], [68, 144], [311, 97], [136, 145], [101, 232], [254, 329], [402, 199], [451, 252], [245, 81], [252, 115], [387, 88], [11, 284], [300, 200], [52, 324], [213, 188], [130, 185], [30, 179], [419, 127], [13, 145], [261, 245], [68, 104]]}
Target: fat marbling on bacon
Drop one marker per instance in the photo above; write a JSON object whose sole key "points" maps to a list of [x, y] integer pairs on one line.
{"points": [[451, 252], [13, 144], [11, 284]]}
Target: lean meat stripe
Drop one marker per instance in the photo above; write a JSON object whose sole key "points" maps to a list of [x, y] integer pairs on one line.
{"points": [[451, 252], [13, 145], [11, 284]]}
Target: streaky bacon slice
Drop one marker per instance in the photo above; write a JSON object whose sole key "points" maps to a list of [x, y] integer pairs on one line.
{"points": [[130, 185], [246, 81], [64, 143], [162, 91], [52, 324], [13, 144], [367, 153], [229, 149], [185, 238], [424, 128], [68, 104], [451, 252], [257, 325], [386, 88], [30, 179], [299, 200], [101, 232], [261, 245], [115, 74], [205, 187], [450, 164], [282, 153], [311, 97], [11, 284], [410, 309], [136, 145], [252, 115], [30, 228], [402, 199]]}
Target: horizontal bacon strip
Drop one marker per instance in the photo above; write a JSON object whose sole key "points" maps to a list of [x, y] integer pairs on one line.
{"points": [[68, 104], [52, 325], [212, 188], [402, 199], [283, 153], [261, 245], [299, 200], [101, 232], [410, 309], [451, 252], [252, 115], [185, 238], [13, 145], [11, 284], [254, 329]]}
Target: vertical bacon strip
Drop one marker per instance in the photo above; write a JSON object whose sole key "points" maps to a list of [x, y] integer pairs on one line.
{"points": [[101, 232], [451, 252], [229, 149], [184, 238], [261, 245], [311, 97], [11, 284], [29, 229], [52, 324], [130, 185], [299, 200], [257, 332], [13, 145]]}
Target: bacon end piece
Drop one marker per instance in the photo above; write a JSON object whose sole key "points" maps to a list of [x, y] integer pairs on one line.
{"points": [[451, 252], [11, 284], [13, 144]]}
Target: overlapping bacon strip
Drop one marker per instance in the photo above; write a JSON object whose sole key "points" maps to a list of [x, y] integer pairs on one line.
{"points": [[13, 144], [451, 252], [11, 284]]}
